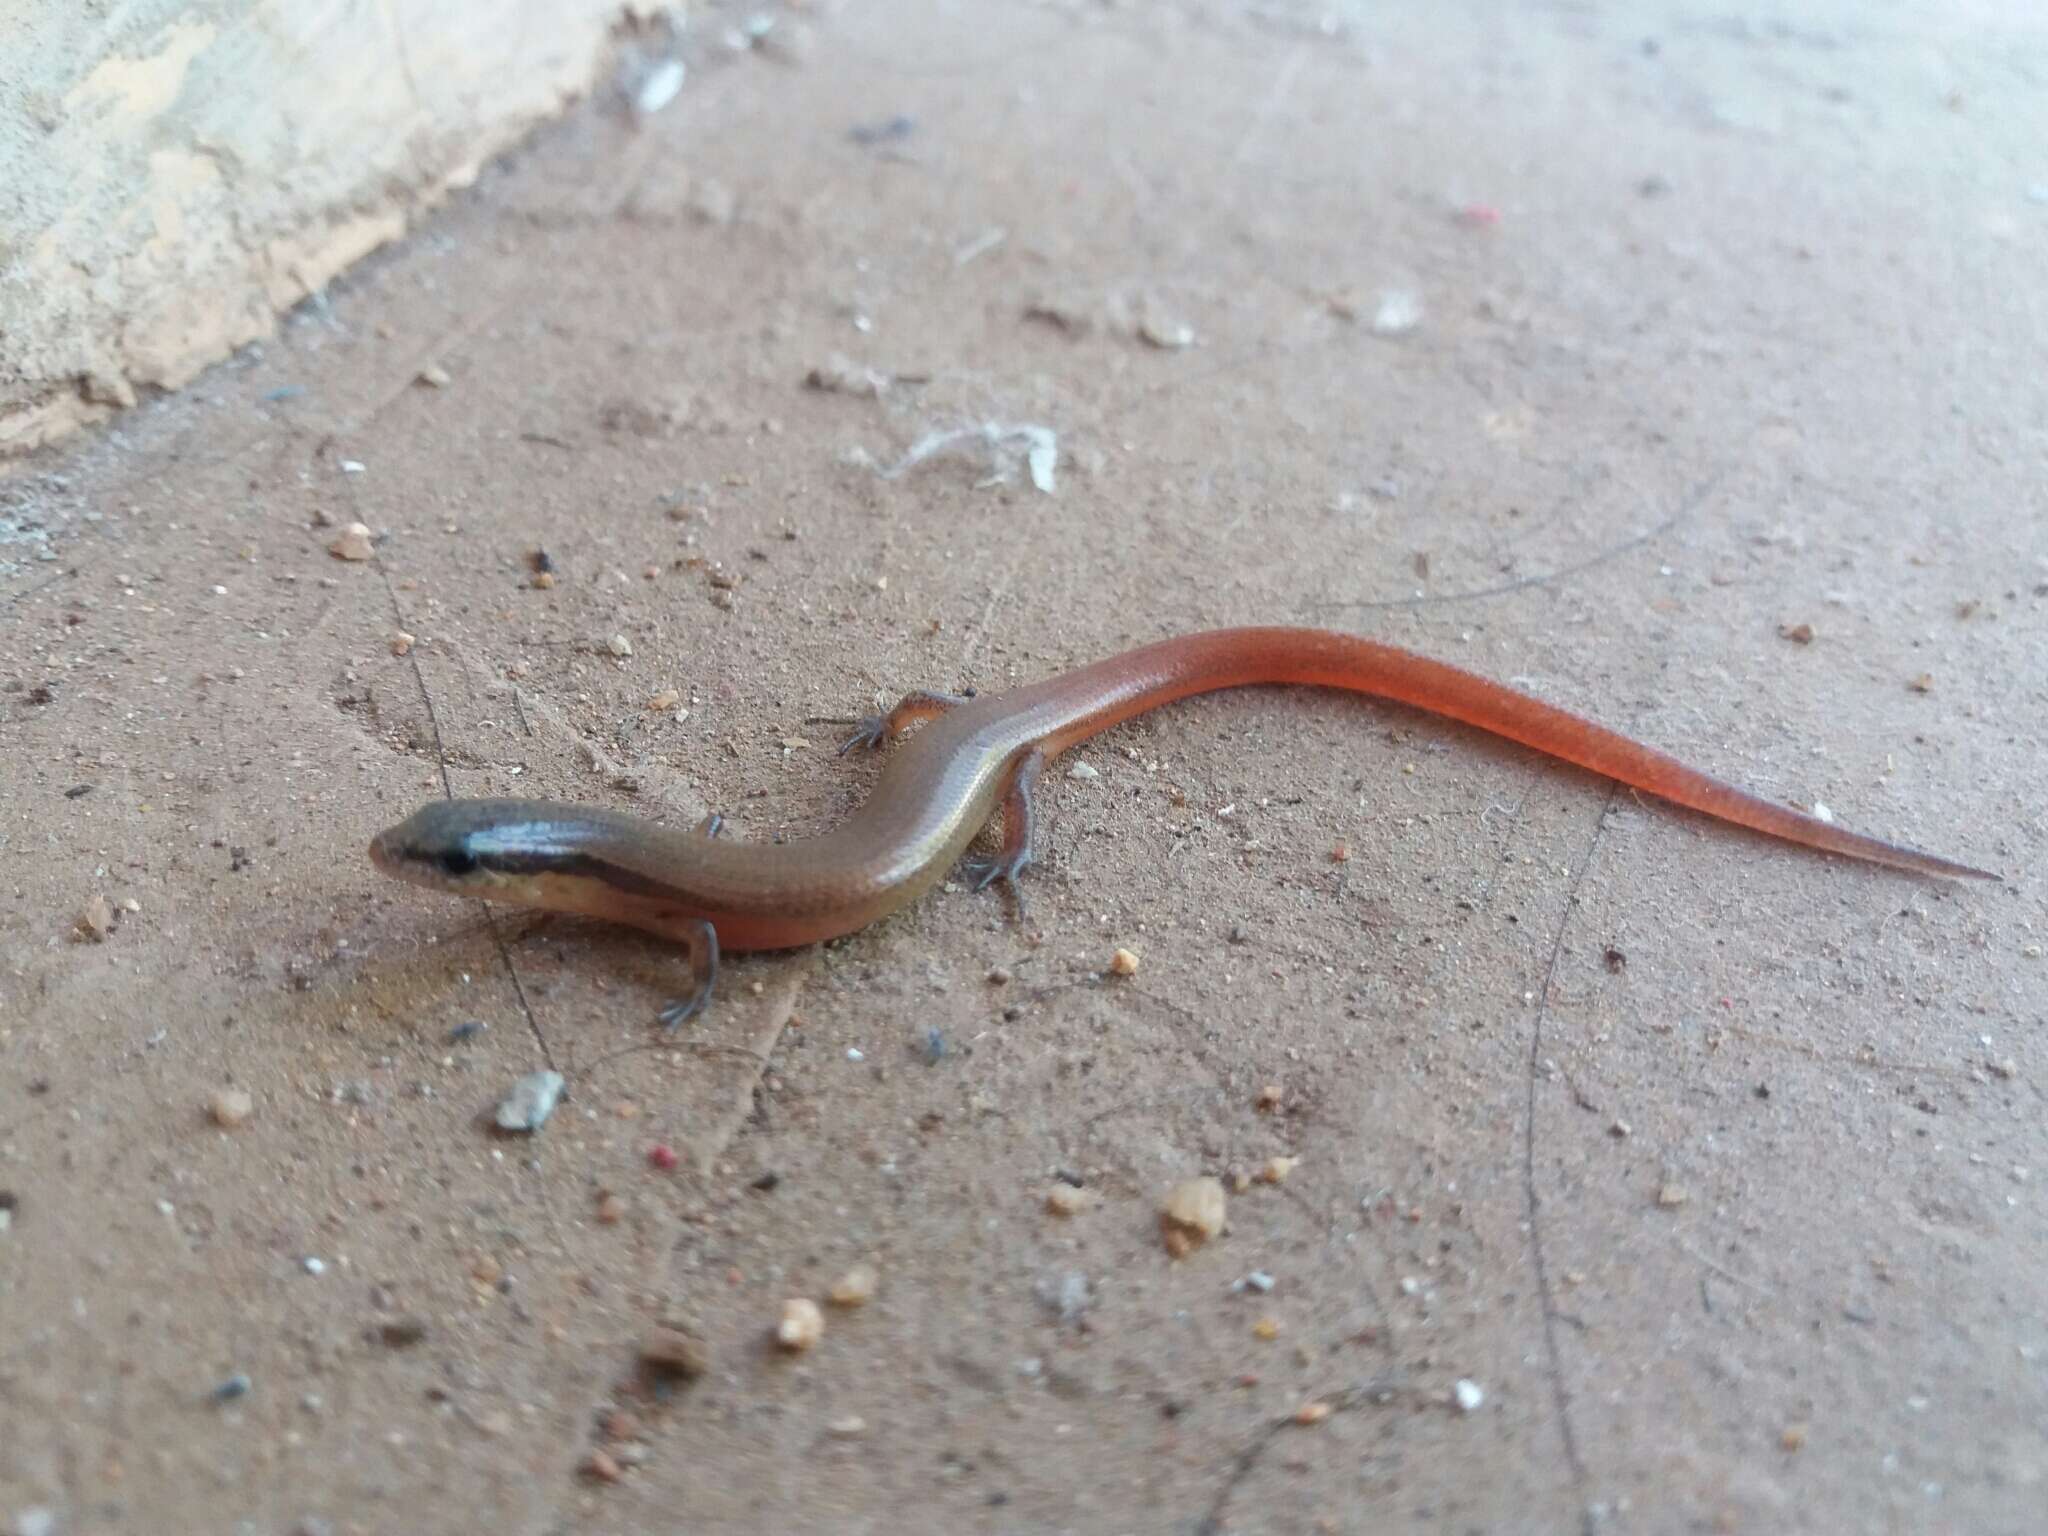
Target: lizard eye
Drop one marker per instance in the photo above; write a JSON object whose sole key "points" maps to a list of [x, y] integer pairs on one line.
{"points": [[458, 861]]}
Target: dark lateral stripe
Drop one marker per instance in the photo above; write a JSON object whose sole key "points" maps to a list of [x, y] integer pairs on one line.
{"points": [[583, 866]]}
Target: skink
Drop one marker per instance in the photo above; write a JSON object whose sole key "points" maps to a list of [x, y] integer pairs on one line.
{"points": [[973, 756]]}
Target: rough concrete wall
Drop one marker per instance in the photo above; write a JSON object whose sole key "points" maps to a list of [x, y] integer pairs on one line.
{"points": [[173, 173]]}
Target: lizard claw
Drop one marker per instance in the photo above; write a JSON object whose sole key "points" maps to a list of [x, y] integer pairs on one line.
{"points": [[870, 732], [981, 873], [683, 1009]]}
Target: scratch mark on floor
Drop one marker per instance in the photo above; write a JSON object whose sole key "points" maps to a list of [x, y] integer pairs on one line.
{"points": [[1378, 1392], [1562, 574], [1532, 1202]]}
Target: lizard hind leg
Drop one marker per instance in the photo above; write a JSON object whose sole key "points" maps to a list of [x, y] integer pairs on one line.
{"points": [[1019, 818]]}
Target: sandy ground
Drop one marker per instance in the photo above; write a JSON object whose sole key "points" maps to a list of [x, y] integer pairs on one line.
{"points": [[1594, 348]]}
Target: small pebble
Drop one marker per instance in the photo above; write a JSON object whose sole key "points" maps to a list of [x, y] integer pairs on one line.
{"points": [[313, 1266], [659, 87], [1311, 1413], [621, 1424], [855, 1053], [1269, 1098], [1267, 1328], [849, 1428], [1123, 963], [1468, 1395], [1277, 1169], [1620, 1129], [802, 1324], [1166, 335], [662, 1156], [1065, 1200], [1793, 1439], [1670, 1195], [1258, 1280], [1083, 772], [619, 646], [673, 1353], [1798, 634], [1193, 1213], [1068, 1296], [237, 1385], [401, 643], [668, 698], [230, 1107], [603, 1466], [2004, 1068], [1399, 313], [96, 921], [855, 1288], [531, 1101], [610, 1209], [543, 581], [434, 376], [352, 543]]}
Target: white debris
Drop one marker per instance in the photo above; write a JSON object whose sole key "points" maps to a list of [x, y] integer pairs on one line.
{"points": [[980, 245], [662, 84], [840, 374], [1468, 1395], [1002, 445], [1399, 313]]}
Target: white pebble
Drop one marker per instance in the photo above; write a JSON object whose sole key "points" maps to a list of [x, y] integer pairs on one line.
{"points": [[530, 1102], [1469, 1395], [1399, 313], [662, 85]]}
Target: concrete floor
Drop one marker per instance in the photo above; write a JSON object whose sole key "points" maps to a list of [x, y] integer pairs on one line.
{"points": [[1598, 349]]}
